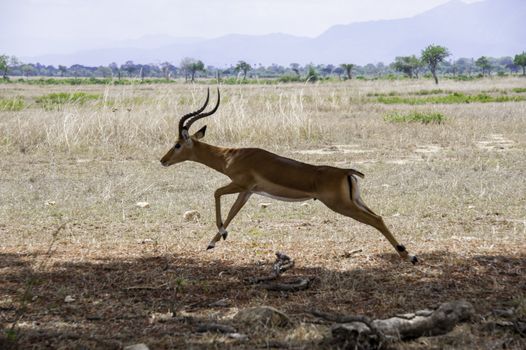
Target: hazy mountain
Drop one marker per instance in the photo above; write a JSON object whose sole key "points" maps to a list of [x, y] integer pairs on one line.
{"points": [[491, 28]]}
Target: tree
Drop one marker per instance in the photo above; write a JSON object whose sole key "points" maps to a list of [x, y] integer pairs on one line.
{"points": [[432, 56], [347, 67], [520, 60], [295, 68], [4, 65], [129, 67], [484, 64], [244, 67], [115, 70], [191, 66], [167, 69], [312, 74], [63, 70], [27, 69], [408, 65]]}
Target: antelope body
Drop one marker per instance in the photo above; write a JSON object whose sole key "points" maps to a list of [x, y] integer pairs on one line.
{"points": [[256, 171]]}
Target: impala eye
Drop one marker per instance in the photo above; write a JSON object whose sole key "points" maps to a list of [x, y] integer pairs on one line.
{"points": [[177, 145]]}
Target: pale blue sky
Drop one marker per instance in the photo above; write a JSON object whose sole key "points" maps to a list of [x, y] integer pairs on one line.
{"points": [[34, 27]]}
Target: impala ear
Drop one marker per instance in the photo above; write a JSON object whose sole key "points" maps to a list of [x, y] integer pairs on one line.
{"points": [[200, 134]]}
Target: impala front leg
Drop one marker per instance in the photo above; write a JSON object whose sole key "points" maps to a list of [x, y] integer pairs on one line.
{"points": [[228, 189]]}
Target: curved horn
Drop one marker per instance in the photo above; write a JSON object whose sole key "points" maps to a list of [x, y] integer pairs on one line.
{"points": [[185, 117], [197, 117]]}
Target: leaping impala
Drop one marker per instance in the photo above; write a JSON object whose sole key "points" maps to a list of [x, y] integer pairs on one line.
{"points": [[256, 171]]}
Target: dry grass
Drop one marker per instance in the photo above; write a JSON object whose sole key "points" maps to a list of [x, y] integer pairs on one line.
{"points": [[454, 193]]}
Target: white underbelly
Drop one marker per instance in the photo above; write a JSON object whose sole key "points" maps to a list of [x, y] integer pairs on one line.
{"points": [[286, 199]]}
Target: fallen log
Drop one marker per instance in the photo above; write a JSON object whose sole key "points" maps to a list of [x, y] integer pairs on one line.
{"points": [[360, 332]]}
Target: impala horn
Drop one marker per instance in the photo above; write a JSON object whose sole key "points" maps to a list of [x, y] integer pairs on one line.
{"points": [[189, 115], [199, 116]]}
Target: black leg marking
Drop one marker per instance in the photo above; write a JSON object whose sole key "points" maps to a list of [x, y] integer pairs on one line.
{"points": [[400, 248], [225, 235], [414, 260], [350, 185]]}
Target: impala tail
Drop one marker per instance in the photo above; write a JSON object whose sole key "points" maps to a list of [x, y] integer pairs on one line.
{"points": [[356, 172]]}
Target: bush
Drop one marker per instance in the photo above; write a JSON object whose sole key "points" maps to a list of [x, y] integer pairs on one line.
{"points": [[290, 78], [421, 117]]}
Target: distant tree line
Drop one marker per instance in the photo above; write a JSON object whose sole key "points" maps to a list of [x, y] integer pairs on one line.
{"points": [[433, 61]]}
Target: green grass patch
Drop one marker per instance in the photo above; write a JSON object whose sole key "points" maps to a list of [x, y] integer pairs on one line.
{"points": [[415, 117], [453, 98], [58, 99], [12, 104], [430, 92], [518, 90]]}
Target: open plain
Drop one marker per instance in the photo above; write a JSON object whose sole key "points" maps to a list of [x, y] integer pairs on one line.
{"points": [[82, 265]]}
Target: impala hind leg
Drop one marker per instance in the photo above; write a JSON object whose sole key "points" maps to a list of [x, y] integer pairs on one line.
{"points": [[364, 215], [353, 206]]}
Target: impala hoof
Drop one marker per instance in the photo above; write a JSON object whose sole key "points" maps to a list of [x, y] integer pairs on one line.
{"points": [[210, 246], [414, 260], [224, 235]]}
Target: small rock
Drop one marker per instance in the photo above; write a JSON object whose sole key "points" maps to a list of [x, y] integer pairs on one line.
{"points": [[50, 203], [264, 205], [220, 303], [160, 317], [264, 316], [69, 299], [305, 205], [140, 346], [142, 204], [191, 215], [238, 336], [505, 313]]}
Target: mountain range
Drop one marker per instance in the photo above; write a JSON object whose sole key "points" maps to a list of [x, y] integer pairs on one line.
{"points": [[491, 28]]}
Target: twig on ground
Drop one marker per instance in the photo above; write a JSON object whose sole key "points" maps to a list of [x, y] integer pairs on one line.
{"points": [[282, 264], [215, 327], [293, 286]]}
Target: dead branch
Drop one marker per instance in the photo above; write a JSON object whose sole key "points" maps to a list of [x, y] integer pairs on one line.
{"points": [[282, 264], [216, 328], [293, 286], [360, 332]]}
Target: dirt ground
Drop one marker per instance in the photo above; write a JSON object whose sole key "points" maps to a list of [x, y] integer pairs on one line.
{"points": [[82, 266]]}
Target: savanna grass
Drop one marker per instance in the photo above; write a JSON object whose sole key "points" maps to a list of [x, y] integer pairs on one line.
{"points": [[453, 98]]}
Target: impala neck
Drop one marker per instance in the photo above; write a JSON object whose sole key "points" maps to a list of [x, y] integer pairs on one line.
{"points": [[211, 156]]}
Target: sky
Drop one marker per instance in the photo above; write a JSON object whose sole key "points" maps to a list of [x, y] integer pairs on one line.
{"points": [[36, 27]]}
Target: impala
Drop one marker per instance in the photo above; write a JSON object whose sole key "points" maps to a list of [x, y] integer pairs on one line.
{"points": [[256, 171]]}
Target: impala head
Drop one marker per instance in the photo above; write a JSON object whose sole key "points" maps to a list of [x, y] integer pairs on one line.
{"points": [[183, 148]]}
